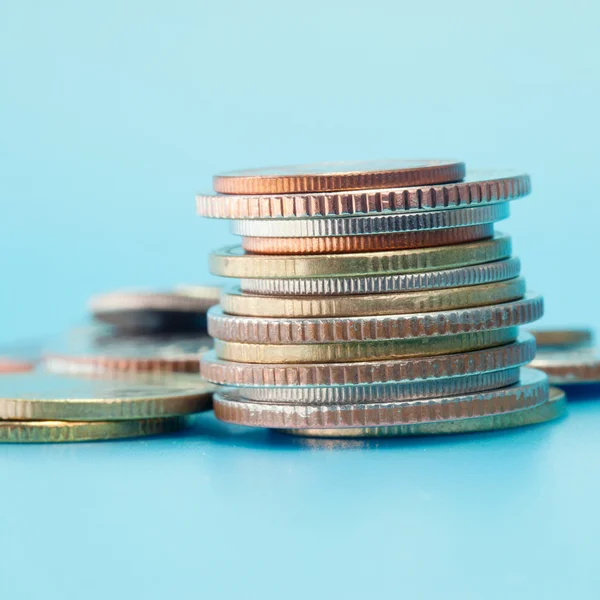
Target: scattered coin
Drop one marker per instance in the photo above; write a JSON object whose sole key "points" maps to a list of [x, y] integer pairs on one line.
{"points": [[60, 431], [562, 338], [383, 392], [232, 261], [515, 354], [39, 395], [236, 302], [338, 176], [576, 365], [555, 408], [478, 187], [365, 350], [481, 274], [531, 391]]}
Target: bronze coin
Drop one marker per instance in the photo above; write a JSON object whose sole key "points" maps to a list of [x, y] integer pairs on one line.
{"points": [[562, 338]]}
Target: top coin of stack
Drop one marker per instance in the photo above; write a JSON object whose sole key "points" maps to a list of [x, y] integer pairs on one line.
{"points": [[375, 299]]}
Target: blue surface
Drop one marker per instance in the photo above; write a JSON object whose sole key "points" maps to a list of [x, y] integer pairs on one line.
{"points": [[113, 114]]}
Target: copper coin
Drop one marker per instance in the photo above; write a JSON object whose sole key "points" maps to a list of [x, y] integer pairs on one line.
{"points": [[94, 350], [154, 311], [479, 187], [323, 177], [575, 365], [11, 365], [368, 243], [531, 391], [562, 338], [229, 373]]}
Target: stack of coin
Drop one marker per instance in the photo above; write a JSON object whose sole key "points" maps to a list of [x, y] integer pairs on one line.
{"points": [[375, 299]]}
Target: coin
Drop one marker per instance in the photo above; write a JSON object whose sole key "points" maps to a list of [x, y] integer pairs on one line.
{"points": [[532, 390], [232, 261], [234, 302], [511, 355], [555, 408], [11, 365], [39, 395], [383, 392], [264, 330], [94, 350], [485, 273], [576, 365], [367, 243], [322, 177], [478, 187], [372, 225], [366, 350], [59, 431], [154, 311], [562, 338]]}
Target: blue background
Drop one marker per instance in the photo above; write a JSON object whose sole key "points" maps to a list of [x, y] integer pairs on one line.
{"points": [[113, 114]]}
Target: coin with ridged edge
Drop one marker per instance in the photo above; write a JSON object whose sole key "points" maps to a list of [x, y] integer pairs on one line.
{"points": [[383, 392], [368, 243], [372, 225], [349, 175], [478, 187], [235, 302], [532, 390], [486, 273], [554, 408], [232, 261], [61, 431], [366, 350], [265, 330], [575, 365], [507, 356], [562, 338], [43, 396]]}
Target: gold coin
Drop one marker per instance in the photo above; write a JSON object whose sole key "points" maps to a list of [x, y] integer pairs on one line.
{"points": [[334, 176], [61, 431], [359, 351], [531, 391], [554, 408], [39, 395], [232, 261], [562, 338], [235, 302]]}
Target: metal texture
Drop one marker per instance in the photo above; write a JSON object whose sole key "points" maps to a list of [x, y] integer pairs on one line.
{"points": [[576, 365], [562, 338]]}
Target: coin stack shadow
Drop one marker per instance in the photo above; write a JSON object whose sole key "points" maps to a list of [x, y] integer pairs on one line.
{"points": [[367, 312]]}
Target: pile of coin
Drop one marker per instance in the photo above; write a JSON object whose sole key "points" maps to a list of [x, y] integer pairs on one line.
{"points": [[375, 299]]}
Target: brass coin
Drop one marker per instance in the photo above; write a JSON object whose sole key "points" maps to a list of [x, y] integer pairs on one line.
{"points": [[576, 365], [232, 261], [265, 330], [531, 391], [43, 396], [507, 356], [11, 365], [562, 338], [367, 243], [323, 177], [479, 187], [367, 350], [555, 408], [59, 431], [235, 302]]}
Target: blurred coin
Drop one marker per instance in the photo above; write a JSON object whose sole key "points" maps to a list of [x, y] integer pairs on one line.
{"points": [[264, 330], [574, 365], [532, 390], [59, 431], [11, 365], [234, 302], [232, 261], [95, 350], [39, 395], [366, 350], [555, 408], [562, 338], [322, 177], [367, 243], [511, 355], [154, 311], [383, 392], [485, 273], [372, 224], [478, 187]]}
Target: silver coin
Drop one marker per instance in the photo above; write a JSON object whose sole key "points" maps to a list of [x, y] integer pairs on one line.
{"points": [[491, 272], [372, 225], [383, 392]]}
